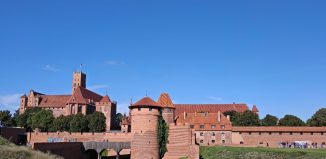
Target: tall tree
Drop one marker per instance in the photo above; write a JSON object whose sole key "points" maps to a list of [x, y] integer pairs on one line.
{"points": [[162, 136], [61, 123], [291, 120], [23, 120], [96, 122], [79, 123], [247, 118], [6, 119], [233, 115], [42, 120], [269, 120], [318, 119]]}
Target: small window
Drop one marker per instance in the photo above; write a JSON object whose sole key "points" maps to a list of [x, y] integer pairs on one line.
{"points": [[259, 133], [249, 133], [150, 109], [311, 133], [261, 142], [301, 133], [270, 133], [222, 126], [201, 141], [139, 109], [321, 133], [280, 133], [240, 132], [191, 126], [291, 133], [202, 126], [223, 141], [213, 141], [213, 133], [241, 142], [201, 134], [213, 126]]}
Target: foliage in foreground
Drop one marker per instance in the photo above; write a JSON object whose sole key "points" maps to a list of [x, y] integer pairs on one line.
{"points": [[9, 150], [259, 153]]}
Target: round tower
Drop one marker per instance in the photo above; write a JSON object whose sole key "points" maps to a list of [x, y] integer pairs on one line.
{"points": [[168, 108], [144, 125]]}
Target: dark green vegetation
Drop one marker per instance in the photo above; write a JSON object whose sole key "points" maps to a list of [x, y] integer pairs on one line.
{"points": [[269, 120], [318, 119], [9, 150], [259, 153], [162, 136], [45, 121]]}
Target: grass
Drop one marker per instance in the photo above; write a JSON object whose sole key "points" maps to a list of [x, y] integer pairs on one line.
{"points": [[217, 152], [11, 151]]}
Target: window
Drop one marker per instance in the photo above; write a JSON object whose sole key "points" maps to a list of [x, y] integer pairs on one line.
{"points": [[202, 126], [280, 133], [270, 133], [259, 133], [240, 132], [321, 133], [213, 133], [201, 134], [213, 141], [241, 142], [150, 109], [223, 141], [201, 141], [222, 126], [249, 133], [301, 133], [139, 109], [291, 133], [191, 126], [311, 133], [213, 126]]}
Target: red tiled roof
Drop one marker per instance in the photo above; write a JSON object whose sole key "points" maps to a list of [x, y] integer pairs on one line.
{"points": [[206, 119], [146, 101], [165, 100], [212, 108], [84, 96], [254, 109], [278, 129], [54, 100], [105, 99]]}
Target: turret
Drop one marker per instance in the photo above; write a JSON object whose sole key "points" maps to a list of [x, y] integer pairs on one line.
{"points": [[144, 124], [79, 79], [168, 110], [255, 109]]}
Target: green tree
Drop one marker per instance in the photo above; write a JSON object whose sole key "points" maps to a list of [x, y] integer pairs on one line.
{"points": [[42, 120], [6, 119], [23, 120], [162, 136], [96, 122], [233, 115], [62, 123], [247, 118], [291, 120], [269, 120], [79, 123], [318, 119]]}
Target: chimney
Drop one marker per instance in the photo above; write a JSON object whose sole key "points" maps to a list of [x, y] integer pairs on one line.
{"points": [[219, 116], [228, 117]]}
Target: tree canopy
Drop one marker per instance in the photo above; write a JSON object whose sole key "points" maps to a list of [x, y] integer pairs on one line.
{"points": [[79, 123], [96, 122], [269, 120], [318, 119], [6, 118], [61, 123], [42, 120], [291, 120], [247, 118]]}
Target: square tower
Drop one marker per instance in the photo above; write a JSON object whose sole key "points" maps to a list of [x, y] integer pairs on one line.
{"points": [[79, 79]]}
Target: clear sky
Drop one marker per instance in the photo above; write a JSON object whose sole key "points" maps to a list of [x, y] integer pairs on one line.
{"points": [[271, 53]]}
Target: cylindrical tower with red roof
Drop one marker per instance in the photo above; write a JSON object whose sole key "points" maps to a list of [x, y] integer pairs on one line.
{"points": [[144, 126]]}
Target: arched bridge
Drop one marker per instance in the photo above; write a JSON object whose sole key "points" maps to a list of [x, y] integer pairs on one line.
{"points": [[99, 146]]}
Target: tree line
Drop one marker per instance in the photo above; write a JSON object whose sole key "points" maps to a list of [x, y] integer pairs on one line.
{"points": [[249, 118], [44, 121]]}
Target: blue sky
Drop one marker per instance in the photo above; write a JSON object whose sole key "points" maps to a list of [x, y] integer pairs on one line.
{"points": [[268, 53]]}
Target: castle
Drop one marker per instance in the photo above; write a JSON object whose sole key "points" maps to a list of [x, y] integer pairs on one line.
{"points": [[190, 125]]}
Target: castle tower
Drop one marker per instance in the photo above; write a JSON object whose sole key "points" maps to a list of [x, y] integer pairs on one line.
{"points": [[168, 111], [109, 109], [79, 79], [144, 124], [255, 109], [23, 103]]}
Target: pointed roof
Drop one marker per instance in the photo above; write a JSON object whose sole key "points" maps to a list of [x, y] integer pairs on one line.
{"points": [[146, 102], [165, 100], [254, 109], [105, 99], [84, 96]]}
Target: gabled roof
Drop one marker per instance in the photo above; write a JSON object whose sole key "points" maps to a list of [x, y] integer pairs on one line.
{"points": [[165, 100], [105, 99], [206, 119], [212, 108], [53, 101], [254, 109], [146, 102], [84, 96]]}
